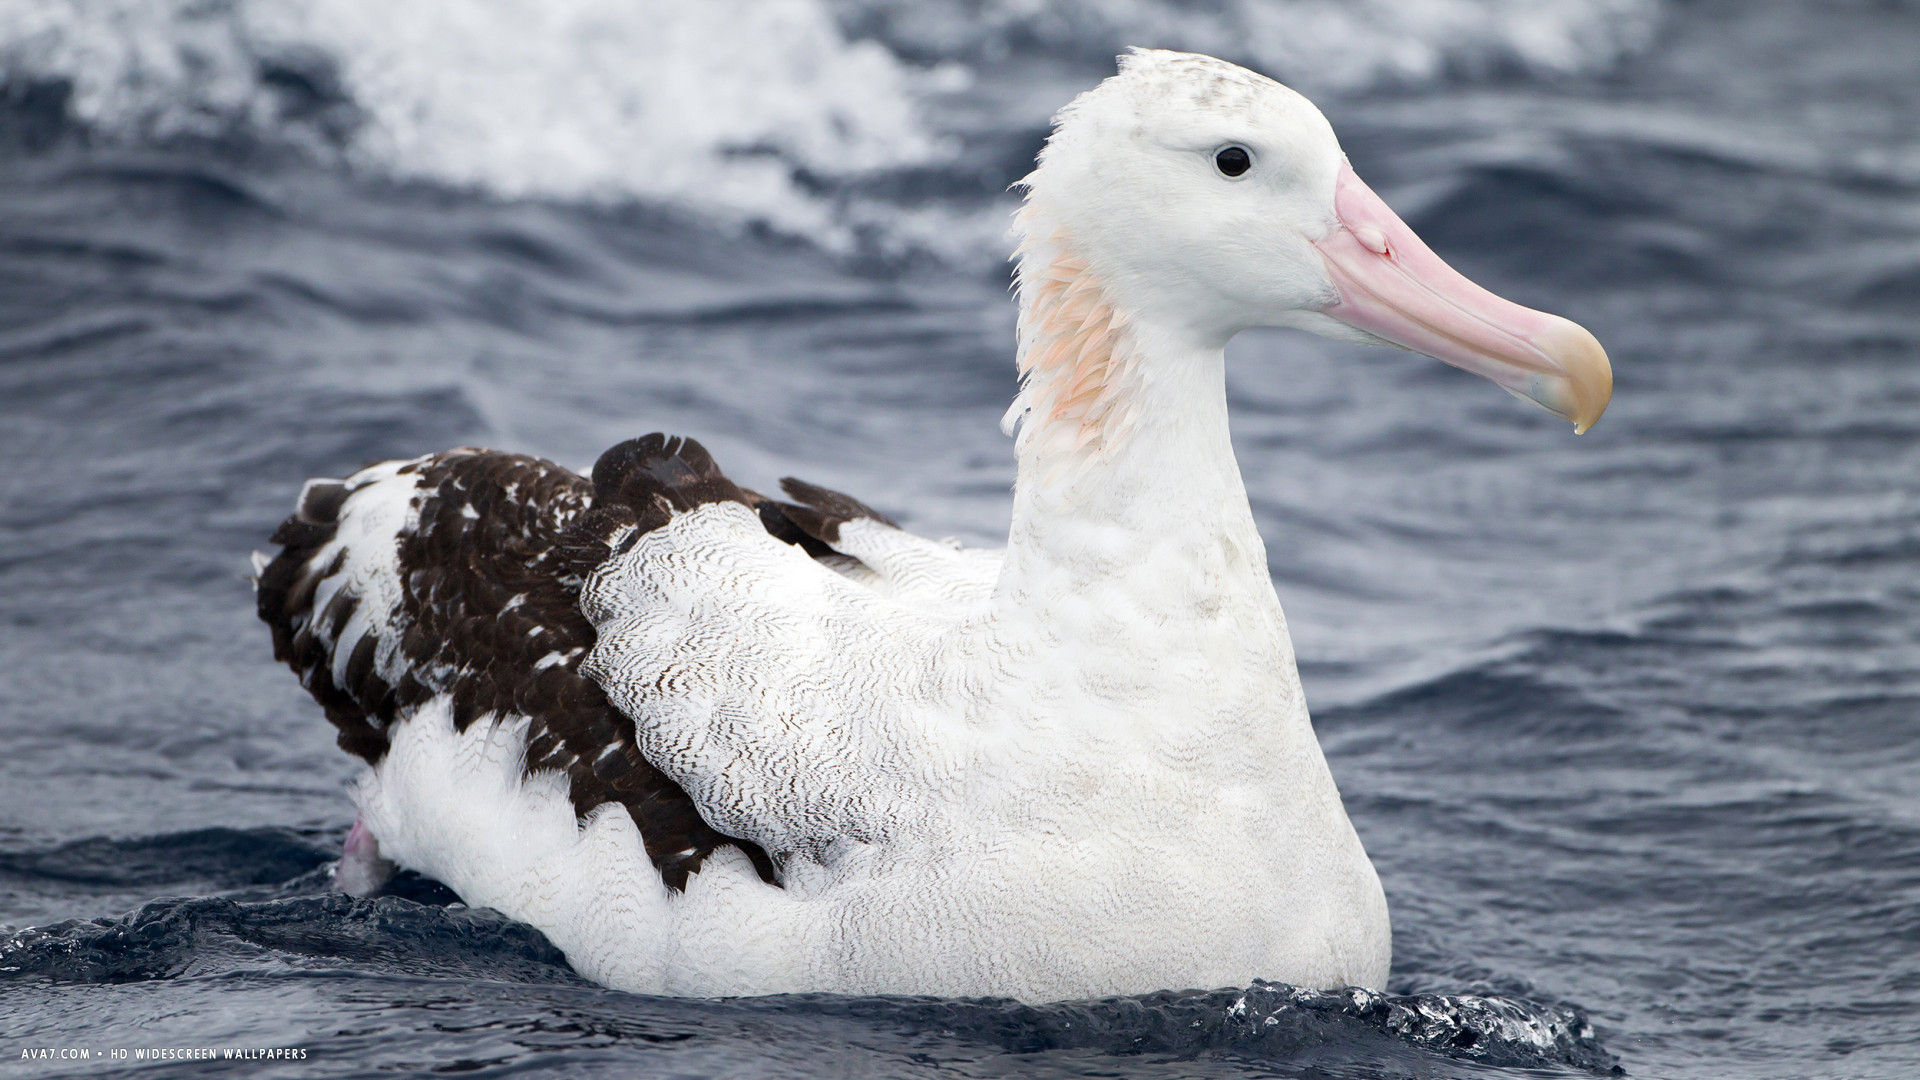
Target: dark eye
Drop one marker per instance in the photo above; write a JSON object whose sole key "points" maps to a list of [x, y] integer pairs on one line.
{"points": [[1232, 160]]}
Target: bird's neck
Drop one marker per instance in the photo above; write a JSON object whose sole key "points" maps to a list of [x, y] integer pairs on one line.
{"points": [[1128, 489]]}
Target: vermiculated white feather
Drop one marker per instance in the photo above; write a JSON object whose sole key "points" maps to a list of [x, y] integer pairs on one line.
{"points": [[1082, 766]]}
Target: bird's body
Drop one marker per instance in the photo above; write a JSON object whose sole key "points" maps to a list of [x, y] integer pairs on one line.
{"points": [[713, 743]]}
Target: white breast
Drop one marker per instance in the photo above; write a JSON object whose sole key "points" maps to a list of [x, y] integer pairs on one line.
{"points": [[1046, 819]]}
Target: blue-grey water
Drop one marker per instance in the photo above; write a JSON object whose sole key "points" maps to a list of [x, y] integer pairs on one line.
{"points": [[1629, 722]]}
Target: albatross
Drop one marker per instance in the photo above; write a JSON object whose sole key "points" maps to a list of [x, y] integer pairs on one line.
{"points": [[713, 742]]}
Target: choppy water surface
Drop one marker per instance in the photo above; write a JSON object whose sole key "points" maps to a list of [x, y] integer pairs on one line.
{"points": [[1628, 722]]}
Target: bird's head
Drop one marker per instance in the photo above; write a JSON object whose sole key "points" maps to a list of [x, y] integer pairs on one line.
{"points": [[1199, 198]]}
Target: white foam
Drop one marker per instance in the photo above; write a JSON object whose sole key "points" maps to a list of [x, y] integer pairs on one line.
{"points": [[708, 106], [716, 106]]}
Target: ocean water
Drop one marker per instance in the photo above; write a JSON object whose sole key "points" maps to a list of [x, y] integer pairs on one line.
{"points": [[1629, 722]]}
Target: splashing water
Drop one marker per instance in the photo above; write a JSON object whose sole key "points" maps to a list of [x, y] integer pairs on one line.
{"points": [[709, 106], [740, 110]]}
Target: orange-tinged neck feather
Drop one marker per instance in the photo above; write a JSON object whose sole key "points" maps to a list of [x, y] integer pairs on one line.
{"points": [[1076, 355]]}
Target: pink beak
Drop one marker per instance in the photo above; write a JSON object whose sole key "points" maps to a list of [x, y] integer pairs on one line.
{"points": [[1395, 288]]}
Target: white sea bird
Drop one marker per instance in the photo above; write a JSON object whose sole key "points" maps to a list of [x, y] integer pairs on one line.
{"points": [[714, 744]]}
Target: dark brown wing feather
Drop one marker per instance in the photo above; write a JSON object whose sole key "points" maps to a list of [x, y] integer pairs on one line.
{"points": [[819, 512], [489, 571]]}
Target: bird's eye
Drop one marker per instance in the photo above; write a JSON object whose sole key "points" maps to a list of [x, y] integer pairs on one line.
{"points": [[1232, 160]]}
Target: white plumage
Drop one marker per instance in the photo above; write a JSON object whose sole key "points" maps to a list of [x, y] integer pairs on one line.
{"points": [[1080, 767], [970, 807]]}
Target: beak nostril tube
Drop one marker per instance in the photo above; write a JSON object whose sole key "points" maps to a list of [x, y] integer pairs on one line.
{"points": [[1394, 288]]}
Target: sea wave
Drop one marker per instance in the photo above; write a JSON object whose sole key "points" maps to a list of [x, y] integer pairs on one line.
{"points": [[745, 111], [713, 106], [420, 932], [1325, 45]]}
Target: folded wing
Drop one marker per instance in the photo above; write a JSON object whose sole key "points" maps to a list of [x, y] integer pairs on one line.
{"points": [[797, 702]]}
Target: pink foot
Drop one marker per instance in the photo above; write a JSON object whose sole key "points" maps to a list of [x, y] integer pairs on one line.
{"points": [[361, 871]]}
